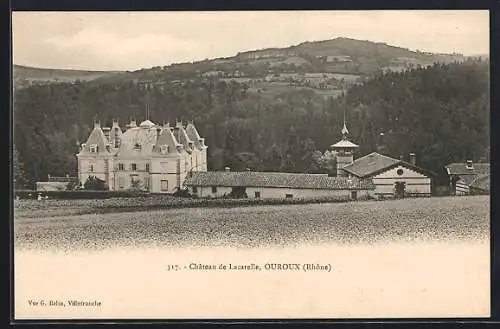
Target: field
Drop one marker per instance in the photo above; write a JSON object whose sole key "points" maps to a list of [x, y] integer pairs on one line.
{"points": [[424, 257], [370, 221]]}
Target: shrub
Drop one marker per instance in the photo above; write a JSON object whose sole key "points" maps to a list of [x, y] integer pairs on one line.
{"points": [[95, 184]]}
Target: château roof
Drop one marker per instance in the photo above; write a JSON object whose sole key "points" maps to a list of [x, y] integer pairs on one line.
{"points": [[277, 179], [344, 143], [193, 135], [167, 138], [147, 124], [143, 140], [182, 137]]}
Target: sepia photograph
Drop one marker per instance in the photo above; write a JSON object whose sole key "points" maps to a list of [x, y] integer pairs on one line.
{"points": [[251, 164]]}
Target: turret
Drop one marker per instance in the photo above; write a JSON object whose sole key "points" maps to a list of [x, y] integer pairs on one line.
{"points": [[344, 151]]}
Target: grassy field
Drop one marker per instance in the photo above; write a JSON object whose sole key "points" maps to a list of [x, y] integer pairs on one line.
{"points": [[406, 258], [446, 218]]}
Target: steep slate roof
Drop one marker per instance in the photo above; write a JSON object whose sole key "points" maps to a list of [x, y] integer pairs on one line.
{"points": [[193, 135], [115, 132], [182, 137], [96, 137], [461, 169], [482, 182], [375, 163], [276, 179], [166, 138]]}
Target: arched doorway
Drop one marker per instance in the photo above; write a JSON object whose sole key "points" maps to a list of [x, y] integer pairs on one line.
{"points": [[399, 190]]}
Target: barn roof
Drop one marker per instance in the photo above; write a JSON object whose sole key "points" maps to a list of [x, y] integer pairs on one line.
{"points": [[375, 163], [461, 169], [96, 137], [277, 179], [482, 182]]}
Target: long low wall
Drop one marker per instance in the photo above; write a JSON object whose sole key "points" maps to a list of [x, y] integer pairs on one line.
{"points": [[51, 186]]}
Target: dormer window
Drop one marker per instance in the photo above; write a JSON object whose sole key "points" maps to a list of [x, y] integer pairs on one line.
{"points": [[137, 146], [93, 148], [164, 149]]}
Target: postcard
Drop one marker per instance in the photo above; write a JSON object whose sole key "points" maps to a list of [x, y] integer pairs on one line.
{"points": [[251, 165]]}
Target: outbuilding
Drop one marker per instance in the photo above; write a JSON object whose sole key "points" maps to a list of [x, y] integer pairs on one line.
{"points": [[469, 178], [392, 177], [277, 185]]}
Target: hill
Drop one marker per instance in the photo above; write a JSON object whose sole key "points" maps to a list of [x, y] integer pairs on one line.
{"points": [[24, 76], [329, 68]]}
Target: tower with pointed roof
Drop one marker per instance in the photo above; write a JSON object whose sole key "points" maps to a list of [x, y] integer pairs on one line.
{"points": [[344, 151]]}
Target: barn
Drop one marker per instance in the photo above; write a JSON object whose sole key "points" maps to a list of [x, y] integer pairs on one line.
{"points": [[277, 185], [392, 177]]}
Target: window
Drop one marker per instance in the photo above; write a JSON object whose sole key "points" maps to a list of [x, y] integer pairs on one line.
{"points": [[164, 148], [195, 189], [214, 189], [137, 146], [288, 196], [147, 167], [164, 185], [121, 182], [400, 172], [257, 195], [121, 167], [133, 167], [354, 195], [91, 168], [164, 167], [93, 148]]}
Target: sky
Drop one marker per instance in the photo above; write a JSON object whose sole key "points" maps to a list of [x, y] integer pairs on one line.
{"points": [[134, 40]]}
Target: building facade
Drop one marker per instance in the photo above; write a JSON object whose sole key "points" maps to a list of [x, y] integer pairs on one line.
{"points": [[146, 157], [392, 177]]}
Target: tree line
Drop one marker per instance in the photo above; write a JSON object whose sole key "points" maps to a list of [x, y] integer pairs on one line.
{"points": [[440, 113]]}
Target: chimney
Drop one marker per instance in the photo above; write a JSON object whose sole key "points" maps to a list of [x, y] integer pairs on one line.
{"points": [[132, 124], [402, 157], [178, 124], [158, 131], [469, 164], [115, 123], [413, 159], [97, 124], [166, 125], [227, 169], [106, 133]]}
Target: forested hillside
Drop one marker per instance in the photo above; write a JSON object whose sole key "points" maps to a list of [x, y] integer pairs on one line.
{"points": [[441, 113]]}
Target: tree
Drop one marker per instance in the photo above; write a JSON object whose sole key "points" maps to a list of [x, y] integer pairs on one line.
{"points": [[18, 168], [95, 184]]}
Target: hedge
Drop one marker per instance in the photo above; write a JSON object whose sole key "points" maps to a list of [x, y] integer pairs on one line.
{"points": [[81, 194]]}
